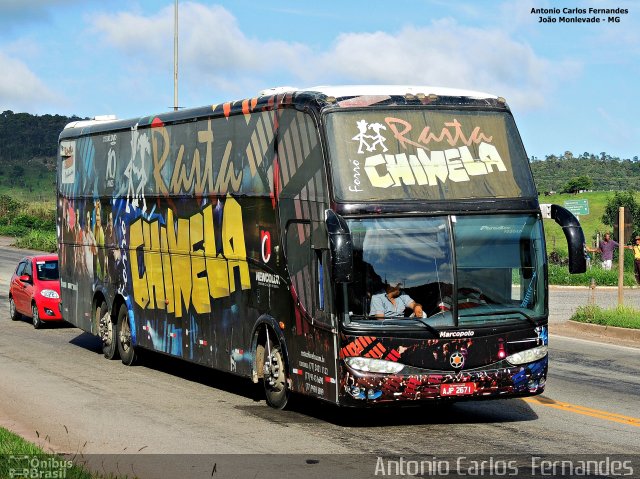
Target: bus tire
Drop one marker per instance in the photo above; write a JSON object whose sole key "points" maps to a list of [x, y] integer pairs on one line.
{"points": [[125, 344], [107, 330], [37, 322], [13, 312], [275, 378]]}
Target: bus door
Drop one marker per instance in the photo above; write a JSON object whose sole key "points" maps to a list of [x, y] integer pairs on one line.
{"points": [[312, 354]]}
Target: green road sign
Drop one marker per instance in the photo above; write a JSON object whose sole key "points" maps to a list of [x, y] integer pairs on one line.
{"points": [[577, 207]]}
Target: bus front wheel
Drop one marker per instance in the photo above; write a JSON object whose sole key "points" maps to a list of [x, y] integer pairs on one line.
{"points": [[125, 343], [107, 331], [275, 380]]}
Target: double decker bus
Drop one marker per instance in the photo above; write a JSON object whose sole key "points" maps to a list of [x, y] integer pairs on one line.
{"points": [[362, 245]]}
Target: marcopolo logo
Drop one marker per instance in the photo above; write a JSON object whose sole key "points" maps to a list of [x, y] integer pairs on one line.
{"points": [[457, 334]]}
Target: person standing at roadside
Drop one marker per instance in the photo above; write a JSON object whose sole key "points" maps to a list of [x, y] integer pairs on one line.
{"points": [[606, 248], [636, 258]]}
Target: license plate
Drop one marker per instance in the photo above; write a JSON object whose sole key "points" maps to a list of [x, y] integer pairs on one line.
{"points": [[457, 389]]}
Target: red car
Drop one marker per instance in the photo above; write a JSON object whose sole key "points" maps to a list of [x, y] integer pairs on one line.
{"points": [[35, 290]]}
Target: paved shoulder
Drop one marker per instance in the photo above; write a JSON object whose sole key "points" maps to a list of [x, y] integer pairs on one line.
{"points": [[596, 332]]}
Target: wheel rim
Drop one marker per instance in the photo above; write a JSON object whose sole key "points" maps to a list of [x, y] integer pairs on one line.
{"points": [[274, 375], [36, 317], [125, 336], [106, 328], [12, 307]]}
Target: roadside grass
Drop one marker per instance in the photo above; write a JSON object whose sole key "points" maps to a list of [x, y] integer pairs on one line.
{"points": [[622, 316], [33, 224], [38, 240], [36, 185], [559, 275], [19, 458]]}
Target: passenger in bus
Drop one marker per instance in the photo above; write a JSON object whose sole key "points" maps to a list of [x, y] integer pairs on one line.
{"points": [[392, 303]]}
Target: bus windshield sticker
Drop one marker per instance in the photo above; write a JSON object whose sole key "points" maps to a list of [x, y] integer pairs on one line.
{"points": [[435, 155]]}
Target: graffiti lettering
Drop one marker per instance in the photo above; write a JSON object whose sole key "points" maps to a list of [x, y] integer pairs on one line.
{"points": [[456, 164], [356, 176], [136, 174], [195, 178], [176, 264], [401, 128]]}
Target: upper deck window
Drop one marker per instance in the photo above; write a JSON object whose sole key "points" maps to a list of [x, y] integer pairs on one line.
{"points": [[426, 154]]}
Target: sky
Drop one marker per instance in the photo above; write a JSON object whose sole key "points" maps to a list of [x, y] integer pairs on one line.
{"points": [[571, 86]]}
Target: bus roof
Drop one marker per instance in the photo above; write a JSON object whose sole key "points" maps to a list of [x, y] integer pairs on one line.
{"points": [[340, 91], [97, 120], [327, 95]]}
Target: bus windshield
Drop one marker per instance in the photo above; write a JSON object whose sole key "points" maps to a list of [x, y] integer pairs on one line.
{"points": [[426, 154], [460, 270]]}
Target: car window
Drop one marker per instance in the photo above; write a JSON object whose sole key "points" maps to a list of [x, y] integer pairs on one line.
{"points": [[20, 268], [47, 270], [27, 269]]}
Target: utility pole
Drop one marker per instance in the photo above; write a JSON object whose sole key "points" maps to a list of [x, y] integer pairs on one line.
{"points": [[175, 58], [621, 241]]}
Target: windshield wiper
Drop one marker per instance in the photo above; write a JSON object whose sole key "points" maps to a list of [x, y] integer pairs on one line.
{"points": [[508, 311], [427, 325], [397, 321]]}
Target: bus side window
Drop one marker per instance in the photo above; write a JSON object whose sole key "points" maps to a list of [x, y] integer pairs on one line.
{"points": [[301, 271], [320, 278], [323, 298]]}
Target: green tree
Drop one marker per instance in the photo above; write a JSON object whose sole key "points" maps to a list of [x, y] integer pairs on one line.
{"points": [[576, 184], [627, 200], [18, 171]]}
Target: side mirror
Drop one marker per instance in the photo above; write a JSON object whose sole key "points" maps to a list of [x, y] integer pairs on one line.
{"points": [[341, 247], [25, 278], [575, 238]]}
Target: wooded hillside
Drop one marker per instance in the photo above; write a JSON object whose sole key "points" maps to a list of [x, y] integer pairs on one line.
{"points": [[28, 148], [605, 172], [24, 136]]}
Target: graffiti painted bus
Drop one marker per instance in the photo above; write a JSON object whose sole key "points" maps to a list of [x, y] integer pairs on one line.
{"points": [[362, 245]]}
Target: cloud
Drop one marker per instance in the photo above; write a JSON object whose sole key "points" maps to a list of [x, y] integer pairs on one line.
{"points": [[216, 53], [212, 47], [447, 54], [22, 90]]}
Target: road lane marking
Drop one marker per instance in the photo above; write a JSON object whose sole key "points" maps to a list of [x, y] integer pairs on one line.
{"points": [[585, 411]]}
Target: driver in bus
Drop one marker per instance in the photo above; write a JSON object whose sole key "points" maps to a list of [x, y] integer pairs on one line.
{"points": [[392, 303]]}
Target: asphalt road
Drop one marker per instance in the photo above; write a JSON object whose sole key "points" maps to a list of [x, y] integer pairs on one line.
{"points": [[563, 300], [57, 390]]}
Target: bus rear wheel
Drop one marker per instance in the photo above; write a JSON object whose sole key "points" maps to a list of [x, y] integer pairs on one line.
{"points": [[275, 378], [125, 342], [107, 331]]}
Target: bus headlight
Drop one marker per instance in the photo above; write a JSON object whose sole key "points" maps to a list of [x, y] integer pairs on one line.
{"points": [[527, 356], [49, 293], [374, 365]]}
